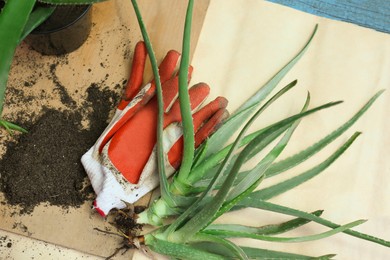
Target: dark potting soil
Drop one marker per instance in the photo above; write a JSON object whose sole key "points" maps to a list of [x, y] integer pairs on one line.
{"points": [[44, 165]]}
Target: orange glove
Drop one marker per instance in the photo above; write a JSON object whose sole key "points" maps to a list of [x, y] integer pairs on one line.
{"points": [[122, 164]]}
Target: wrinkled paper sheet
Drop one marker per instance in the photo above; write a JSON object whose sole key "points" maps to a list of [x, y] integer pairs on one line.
{"points": [[244, 43]]}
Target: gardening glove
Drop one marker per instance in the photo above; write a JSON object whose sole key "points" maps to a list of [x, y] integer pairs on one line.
{"points": [[122, 164]]}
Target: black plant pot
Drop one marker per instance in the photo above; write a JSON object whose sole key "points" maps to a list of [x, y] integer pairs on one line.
{"points": [[63, 32]]}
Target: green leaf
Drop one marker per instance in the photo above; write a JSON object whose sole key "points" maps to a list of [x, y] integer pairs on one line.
{"points": [[176, 250], [166, 195], [264, 141], [232, 233], [260, 204], [277, 126], [257, 253], [200, 154], [37, 16], [261, 167], [232, 201], [294, 160], [233, 248], [185, 104], [279, 188], [199, 173], [218, 139], [210, 166], [13, 19], [219, 229], [10, 126], [203, 168]]}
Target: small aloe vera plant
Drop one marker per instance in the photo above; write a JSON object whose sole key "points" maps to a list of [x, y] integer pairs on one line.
{"points": [[211, 182], [17, 20]]}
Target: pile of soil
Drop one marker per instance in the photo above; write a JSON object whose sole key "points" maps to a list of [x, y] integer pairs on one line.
{"points": [[44, 165]]}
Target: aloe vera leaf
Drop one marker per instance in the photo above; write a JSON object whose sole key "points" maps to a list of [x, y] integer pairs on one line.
{"points": [[10, 126], [233, 248], [279, 188], [203, 182], [218, 139], [13, 18], [210, 161], [5, 125], [222, 155], [166, 195], [294, 160], [288, 121], [71, 2], [200, 154], [233, 233], [265, 205], [264, 254], [176, 250], [203, 216], [215, 159], [185, 104], [228, 204], [261, 167], [252, 179], [37, 16], [273, 229], [257, 253], [269, 158]]}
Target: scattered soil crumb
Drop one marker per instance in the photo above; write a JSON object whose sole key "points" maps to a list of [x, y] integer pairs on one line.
{"points": [[21, 227], [5, 242]]}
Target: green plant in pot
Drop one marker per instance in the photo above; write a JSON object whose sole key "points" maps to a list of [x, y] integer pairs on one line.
{"points": [[17, 20]]}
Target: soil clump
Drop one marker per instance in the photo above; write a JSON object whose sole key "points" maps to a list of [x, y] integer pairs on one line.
{"points": [[44, 165]]}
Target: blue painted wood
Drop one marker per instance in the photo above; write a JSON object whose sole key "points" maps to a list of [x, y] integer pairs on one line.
{"points": [[373, 14]]}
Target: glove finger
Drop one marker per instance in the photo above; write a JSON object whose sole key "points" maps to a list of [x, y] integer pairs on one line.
{"points": [[211, 126], [206, 112], [136, 75], [171, 90], [208, 120], [198, 94], [175, 153], [168, 65], [166, 71]]}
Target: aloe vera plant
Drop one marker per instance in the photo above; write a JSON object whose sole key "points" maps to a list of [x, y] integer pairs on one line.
{"points": [[211, 181], [17, 20]]}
